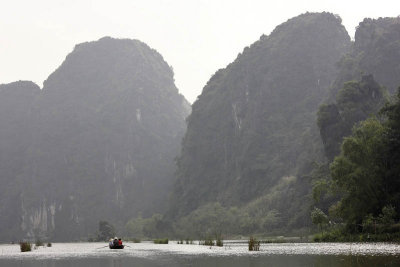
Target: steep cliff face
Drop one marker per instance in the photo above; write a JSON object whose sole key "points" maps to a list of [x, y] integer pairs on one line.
{"points": [[254, 123], [355, 102], [374, 58], [379, 42], [376, 51], [108, 125], [16, 126]]}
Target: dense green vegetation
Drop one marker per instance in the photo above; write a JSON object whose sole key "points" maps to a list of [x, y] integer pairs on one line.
{"points": [[106, 231], [356, 101], [152, 227], [359, 191], [366, 173]]}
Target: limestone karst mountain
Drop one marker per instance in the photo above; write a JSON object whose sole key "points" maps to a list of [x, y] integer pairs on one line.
{"points": [[253, 127], [104, 132]]}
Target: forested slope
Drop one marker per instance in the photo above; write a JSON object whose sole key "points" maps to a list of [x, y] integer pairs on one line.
{"points": [[358, 125], [252, 130]]}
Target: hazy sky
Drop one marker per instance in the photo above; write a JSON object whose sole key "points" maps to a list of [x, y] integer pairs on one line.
{"points": [[195, 37]]}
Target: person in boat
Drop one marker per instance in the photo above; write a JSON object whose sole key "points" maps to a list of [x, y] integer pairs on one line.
{"points": [[111, 243], [115, 242], [120, 242]]}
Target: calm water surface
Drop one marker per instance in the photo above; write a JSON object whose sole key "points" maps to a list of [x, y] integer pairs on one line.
{"points": [[232, 254]]}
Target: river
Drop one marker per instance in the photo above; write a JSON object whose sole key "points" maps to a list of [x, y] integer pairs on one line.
{"points": [[232, 254]]}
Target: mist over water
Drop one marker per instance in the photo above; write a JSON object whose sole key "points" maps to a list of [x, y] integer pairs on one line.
{"points": [[295, 140]]}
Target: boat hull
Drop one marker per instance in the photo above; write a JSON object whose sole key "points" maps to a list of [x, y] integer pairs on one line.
{"points": [[117, 247]]}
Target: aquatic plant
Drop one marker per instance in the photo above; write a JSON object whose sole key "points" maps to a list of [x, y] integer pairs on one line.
{"points": [[161, 241], [207, 242], [39, 243], [254, 245], [25, 246], [219, 241]]}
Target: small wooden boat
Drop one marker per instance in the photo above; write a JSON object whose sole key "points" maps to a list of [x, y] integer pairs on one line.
{"points": [[117, 247]]}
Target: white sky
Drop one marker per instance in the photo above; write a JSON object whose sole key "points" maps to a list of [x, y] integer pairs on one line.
{"points": [[195, 37]]}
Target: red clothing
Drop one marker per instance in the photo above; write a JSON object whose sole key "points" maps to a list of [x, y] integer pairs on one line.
{"points": [[119, 242]]}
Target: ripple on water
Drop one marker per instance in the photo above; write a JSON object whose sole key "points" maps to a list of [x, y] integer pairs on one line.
{"points": [[231, 248]]}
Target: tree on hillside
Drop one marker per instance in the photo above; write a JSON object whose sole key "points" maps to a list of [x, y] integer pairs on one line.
{"points": [[392, 156], [356, 101], [359, 170], [106, 231], [318, 217]]}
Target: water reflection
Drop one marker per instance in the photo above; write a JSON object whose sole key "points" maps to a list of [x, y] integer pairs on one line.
{"points": [[232, 255], [297, 261], [212, 261]]}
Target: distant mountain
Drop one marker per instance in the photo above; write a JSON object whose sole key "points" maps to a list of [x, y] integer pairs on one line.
{"points": [[252, 131], [106, 129]]}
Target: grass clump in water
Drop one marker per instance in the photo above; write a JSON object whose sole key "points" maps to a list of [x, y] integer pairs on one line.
{"points": [[161, 241], [207, 242], [25, 246], [219, 242], [39, 243], [210, 241], [254, 245], [187, 241]]}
